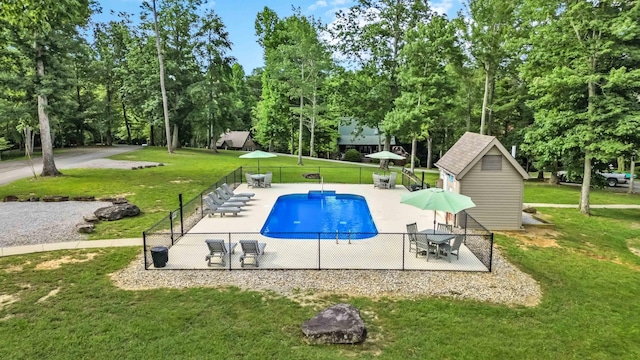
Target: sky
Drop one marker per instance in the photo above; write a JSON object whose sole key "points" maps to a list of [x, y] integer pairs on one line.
{"points": [[239, 16]]}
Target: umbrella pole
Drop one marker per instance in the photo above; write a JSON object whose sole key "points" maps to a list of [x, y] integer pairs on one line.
{"points": [[258, 166], [434, 220]]}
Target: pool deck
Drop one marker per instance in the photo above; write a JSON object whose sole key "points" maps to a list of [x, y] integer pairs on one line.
{"points": [[384, 251]]}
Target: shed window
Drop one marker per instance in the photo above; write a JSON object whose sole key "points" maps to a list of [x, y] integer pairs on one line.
{"points": [[492, 162]]}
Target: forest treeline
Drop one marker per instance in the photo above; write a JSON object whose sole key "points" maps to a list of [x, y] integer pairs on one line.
{"points": [[558, 79]]}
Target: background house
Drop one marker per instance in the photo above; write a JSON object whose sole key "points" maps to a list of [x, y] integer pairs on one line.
{"points": [[366, 142], [480, 167], [236, 140]]}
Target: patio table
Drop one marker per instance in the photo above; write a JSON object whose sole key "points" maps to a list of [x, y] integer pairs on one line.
{"points": [[438, 238], [259, 178]]}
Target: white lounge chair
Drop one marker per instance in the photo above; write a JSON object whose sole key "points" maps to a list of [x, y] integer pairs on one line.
{"points": [[251, 249], [222, 203], [219, 249], [230, 191], [226, 197], [215, 209]]}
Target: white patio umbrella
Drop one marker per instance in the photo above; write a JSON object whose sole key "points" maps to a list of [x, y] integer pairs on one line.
{"points": [[437, 199], [257, 154]]}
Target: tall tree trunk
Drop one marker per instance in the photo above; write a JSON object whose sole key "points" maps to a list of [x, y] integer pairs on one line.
{"points": [[632, 169], [414, 145], [313, 123], [165, 106], [126, 119], [429, 152], [108, 111], [485, 99], [174, 139], [48, 164], [152, 140], [300, 134], [586, 185]]}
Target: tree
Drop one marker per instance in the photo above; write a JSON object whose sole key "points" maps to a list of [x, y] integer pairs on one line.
{"points": [[490, 25], [427, 90], [372, 33], [62, 19], [585, 95], [165, 106]]}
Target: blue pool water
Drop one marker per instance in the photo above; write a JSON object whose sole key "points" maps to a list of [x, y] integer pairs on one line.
{"points": [[320, 212]]}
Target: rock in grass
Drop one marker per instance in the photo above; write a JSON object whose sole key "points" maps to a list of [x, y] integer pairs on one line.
{"points": [[117, 212], [85, 228], [338, 324]]}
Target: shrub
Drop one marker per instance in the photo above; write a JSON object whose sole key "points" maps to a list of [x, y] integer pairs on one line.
{"points": [[352, 155], [416, 162]]}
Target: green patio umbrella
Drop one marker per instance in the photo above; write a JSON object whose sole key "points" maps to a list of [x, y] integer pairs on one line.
{"points": [[385, 155], [437, 200], [258, 154]]}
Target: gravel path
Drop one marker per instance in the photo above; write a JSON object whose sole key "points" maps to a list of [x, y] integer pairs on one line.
{"points": [[505, 285], [28, 223]]}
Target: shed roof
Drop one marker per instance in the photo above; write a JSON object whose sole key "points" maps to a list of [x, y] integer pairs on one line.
{"points": [[469, 149], [235, 139]]}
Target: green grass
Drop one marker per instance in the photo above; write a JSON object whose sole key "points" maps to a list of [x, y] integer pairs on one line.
{"points": [[590, 281], [589, 310], [188, 172], [537, 192]]}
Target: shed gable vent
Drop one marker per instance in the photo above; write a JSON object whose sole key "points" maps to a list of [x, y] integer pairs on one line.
{"points": [[492, 162]]}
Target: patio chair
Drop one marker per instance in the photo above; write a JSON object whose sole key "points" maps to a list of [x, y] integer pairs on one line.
{"points": [[454, 249], [219, 249], [215, 209], [222, 203], [268, 176], [445, 228], [376, 181], [229, 191], [226, 197], [419, 241], [251, 249], [250, 181], [392, 180]]}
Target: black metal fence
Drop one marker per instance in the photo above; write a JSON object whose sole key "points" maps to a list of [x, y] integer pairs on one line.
{"points": [[387, 251], [320, 251]]}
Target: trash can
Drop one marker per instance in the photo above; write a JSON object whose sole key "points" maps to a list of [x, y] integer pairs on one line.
{"points": [[160, 256]]}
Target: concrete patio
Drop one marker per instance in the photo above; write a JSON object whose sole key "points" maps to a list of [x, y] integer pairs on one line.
{"points": [[387, 250]]}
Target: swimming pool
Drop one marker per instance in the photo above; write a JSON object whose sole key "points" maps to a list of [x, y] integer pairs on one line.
{"points": [[324, 212]]}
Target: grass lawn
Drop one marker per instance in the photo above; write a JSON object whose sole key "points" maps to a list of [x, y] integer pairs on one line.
{"points": [[590, 281]]}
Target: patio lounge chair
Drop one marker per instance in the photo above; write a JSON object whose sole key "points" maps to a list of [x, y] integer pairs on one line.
{"points": [[219, 249], [226, 197], [251, 249], [267, 179], [250, 181], [229, 191], [222, 203], [448, 250], [445, 228], [215, 209]]}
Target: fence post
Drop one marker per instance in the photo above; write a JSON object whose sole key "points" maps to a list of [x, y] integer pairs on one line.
{"points": [[319, 175], [318, 251], [181, 223], [403, 254], [144, 249], [490, 252], [171, 225], [360, 176], [280, 174], [422, 185], [229, 253]]}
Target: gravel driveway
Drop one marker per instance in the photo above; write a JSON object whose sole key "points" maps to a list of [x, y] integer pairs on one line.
{"points": [[28, 223]]}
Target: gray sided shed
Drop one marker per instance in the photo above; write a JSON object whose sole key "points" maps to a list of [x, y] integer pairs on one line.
{"points": [[480, 167]]}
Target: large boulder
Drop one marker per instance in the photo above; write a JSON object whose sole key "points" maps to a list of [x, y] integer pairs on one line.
{"points": [[338, 324], [117, 212]]}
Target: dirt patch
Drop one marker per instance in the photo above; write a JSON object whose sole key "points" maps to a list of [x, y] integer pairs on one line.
{"points": [[7, 299], [535, 236], [51, 293], [16, 268], [55, 264], [180, 181], [634, 226]]}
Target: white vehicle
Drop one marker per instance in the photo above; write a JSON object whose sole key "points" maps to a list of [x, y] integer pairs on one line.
{"points": [[615, 178]]}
